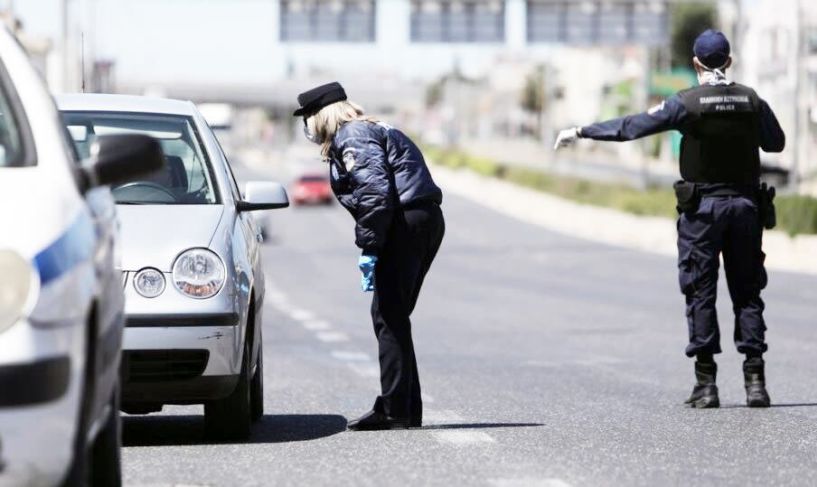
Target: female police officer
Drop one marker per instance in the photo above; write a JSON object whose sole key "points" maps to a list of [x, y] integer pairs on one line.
{"points": [[380, 176]]}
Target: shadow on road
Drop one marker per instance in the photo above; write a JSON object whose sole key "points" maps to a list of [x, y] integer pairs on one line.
{"points": [[469, 426], [784, 405], [176, 430]]}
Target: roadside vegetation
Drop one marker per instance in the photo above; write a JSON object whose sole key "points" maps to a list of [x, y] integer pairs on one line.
{"points": [[795, 214]]}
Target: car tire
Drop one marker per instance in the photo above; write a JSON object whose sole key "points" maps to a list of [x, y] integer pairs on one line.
{"points": [[106, 461], [230, 418], [77, 475], [257, 386]]}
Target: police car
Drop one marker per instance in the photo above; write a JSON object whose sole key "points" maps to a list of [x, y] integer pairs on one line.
{"points": [[61, 297]]}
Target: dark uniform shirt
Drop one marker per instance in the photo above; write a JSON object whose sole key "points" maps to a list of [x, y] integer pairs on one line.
{"points": [[374, 169], [671, 114]]}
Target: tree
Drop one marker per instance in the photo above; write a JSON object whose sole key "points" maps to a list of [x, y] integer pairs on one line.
{"points": [[532, 99], [688, 21]]}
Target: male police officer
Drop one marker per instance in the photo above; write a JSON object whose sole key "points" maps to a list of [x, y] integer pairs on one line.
{"points": [[722, 206]]}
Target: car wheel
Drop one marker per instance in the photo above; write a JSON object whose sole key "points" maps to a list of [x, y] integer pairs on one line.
{"points": [[230, 418], [106, 466], [78, 470], [257, 386]]}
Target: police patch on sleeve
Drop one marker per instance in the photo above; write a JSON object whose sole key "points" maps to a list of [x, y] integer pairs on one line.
{"points": [[657, 108], [349, 160]]}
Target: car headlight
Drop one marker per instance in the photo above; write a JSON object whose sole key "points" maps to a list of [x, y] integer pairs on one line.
{"points": [[149, 282], [198, 273], [18, 287]]}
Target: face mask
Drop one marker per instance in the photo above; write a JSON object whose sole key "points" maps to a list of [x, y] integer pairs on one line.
{"points": [[713, 77], [312, 137]]}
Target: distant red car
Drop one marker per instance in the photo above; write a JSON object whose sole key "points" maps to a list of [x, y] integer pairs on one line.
{"points": [[311, 189]]}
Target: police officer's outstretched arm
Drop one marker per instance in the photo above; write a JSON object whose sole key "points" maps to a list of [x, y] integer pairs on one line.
{"points": [[772, 137], [367, 164], [668, 115]]}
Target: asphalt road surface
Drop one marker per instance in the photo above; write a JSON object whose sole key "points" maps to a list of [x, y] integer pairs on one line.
{"points": [[545, 361]]}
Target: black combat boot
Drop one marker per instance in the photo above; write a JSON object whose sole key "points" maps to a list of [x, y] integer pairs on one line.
{"points": [[755, 382], [705, 393]]}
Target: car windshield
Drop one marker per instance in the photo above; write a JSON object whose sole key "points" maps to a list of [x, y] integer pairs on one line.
{"points": [[185, 178]]}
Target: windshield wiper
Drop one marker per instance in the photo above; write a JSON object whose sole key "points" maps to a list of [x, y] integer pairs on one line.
{"points": [[134, 203]]}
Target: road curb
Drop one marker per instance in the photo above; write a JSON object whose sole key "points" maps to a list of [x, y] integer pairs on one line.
{"points": [[650, 234]]}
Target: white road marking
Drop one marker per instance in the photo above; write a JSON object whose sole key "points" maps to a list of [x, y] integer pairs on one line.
{"points": [[351, 356], [316, 325], [463, 438], [529, 482], [301, 315], [441, 416], [332, 336], [276, 296], [364, 369]]}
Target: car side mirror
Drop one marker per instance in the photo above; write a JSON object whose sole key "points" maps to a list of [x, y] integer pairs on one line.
{"points": [[120, 158], [263, 195]]}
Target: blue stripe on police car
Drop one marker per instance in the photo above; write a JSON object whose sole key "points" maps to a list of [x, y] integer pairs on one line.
{"points": [[74, 246]]}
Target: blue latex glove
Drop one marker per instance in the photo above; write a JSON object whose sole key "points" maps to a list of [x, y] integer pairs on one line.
{"points": [[366, 264]]}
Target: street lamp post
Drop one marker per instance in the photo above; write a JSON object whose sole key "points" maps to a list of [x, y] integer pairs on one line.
{"points": [[794, 178]]}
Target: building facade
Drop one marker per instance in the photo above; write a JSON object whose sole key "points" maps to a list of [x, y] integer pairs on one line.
{"points": [[780, 61]]}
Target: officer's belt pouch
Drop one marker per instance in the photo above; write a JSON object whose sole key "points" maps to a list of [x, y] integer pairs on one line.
{"points": [[766, 209], [687, 196]]}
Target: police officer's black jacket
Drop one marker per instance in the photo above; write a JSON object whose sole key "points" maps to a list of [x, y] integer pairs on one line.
{"points": [[723, 126], [375, 169]]}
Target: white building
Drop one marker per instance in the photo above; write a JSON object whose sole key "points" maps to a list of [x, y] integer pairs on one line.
{"points": [[271, 49], [780, 61]]}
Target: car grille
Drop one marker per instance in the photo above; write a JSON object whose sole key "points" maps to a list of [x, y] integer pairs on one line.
{"points": [[163, 365]]}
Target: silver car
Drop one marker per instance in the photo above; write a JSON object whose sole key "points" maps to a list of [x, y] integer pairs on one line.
{"points": [[194, 284]]}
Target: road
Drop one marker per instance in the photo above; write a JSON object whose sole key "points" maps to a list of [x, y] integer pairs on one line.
{"points": [[545, 361]]}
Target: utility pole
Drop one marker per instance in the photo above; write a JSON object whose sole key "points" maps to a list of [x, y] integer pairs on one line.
{"points": [[65, 41]]}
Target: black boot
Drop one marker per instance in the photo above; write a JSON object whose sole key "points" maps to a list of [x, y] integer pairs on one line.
{"points": [[705, 393], [755, 382], [374, 421]]}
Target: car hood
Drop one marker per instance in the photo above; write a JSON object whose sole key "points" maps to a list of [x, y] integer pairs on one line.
{"points": [[154, 235]]}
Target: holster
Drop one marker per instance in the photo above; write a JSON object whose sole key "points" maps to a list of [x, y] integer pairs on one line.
{"points": [[765, 206], [687, 196]]}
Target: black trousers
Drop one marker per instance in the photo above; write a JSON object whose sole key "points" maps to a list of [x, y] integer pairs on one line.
{"points": [[412, 244], [727, 225]]}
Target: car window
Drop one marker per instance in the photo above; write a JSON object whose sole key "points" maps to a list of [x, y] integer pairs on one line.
{"points": [[186, 177], [11, 142], [233, 183]]}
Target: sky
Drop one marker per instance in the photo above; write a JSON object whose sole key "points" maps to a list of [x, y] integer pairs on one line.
{"points": [[169, 39]]}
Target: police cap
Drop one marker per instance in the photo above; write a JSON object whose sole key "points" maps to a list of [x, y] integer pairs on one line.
{"points": [[712, 49], [313, 100]]}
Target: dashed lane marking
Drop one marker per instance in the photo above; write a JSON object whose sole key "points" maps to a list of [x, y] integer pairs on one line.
{"points": [[529, 482], [351, 356], [441, 416], [365, 369], [463, 438], [316, 325], [276, 297], [332, 336], [301, 315]]}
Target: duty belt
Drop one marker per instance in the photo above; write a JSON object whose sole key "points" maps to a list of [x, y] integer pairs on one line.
{"points": [[709, 190]]}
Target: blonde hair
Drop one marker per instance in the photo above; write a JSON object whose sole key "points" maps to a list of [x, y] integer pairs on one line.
{"points": [[326, 123]]}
